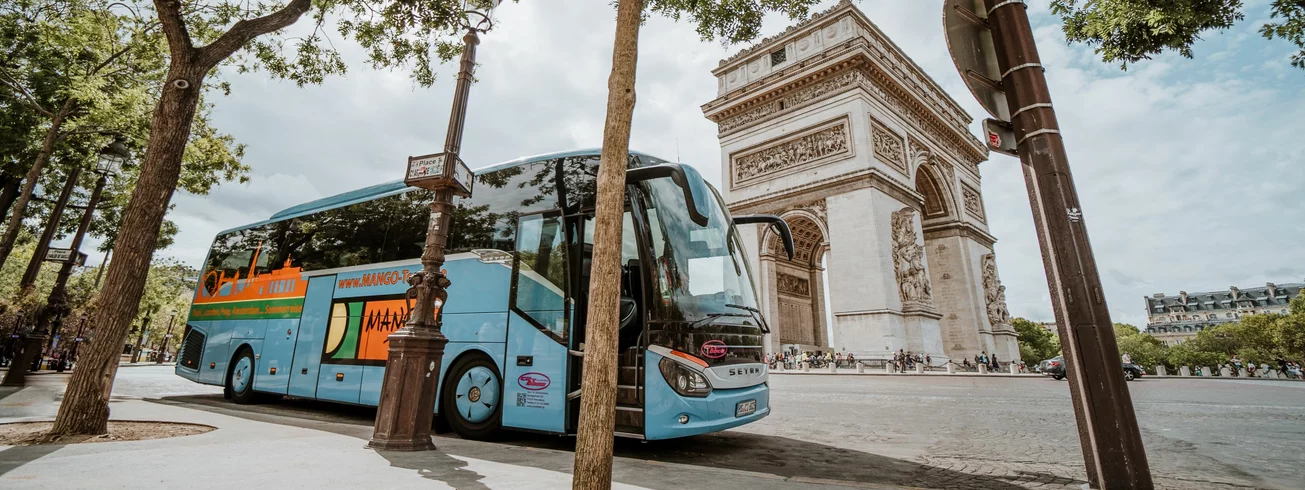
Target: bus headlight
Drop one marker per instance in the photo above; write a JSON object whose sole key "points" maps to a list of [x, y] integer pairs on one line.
{"points": [[683, 380]]}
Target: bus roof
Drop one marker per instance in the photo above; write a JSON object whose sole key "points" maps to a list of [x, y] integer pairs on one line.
{"points": [[397, 187]]}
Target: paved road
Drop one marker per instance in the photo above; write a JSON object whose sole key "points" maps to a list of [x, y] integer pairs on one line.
{"points": [[936, 432]]}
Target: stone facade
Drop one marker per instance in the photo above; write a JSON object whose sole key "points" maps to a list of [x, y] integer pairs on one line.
{"points": [[1173, 319], [830, 126]]}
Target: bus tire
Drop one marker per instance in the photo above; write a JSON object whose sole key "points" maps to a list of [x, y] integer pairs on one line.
{"points": [[240, 378], [472, 398]]}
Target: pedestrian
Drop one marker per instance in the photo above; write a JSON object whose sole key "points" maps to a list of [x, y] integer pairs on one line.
{"points": [[966, 363], [995, 365], [1127, 358], [928, 361]]}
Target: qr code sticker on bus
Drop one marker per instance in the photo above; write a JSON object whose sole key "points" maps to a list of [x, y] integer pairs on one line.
{"points": [[521, 399]]}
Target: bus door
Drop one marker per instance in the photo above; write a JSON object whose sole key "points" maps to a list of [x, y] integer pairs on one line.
{"points": [[311, 336], [580, 230], [534, 382]]}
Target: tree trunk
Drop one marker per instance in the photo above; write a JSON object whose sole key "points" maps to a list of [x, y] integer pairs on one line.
{"points": [[15, 223], [85, 407], [593, 449], [8, 194]]}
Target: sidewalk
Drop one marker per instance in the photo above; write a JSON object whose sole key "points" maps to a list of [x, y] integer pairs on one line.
{"points": [[278, 452]]}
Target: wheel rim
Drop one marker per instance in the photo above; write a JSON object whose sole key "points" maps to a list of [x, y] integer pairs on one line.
{"points": [[477, 394], [1128, 376], [242, 375]]}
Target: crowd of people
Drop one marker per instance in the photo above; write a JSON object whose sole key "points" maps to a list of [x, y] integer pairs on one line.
{"points": [[817, 359], [901, 361], [904, 360], [984, 359], [1290, 369]]}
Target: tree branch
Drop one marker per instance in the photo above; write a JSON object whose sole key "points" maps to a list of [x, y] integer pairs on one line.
{"points": [[9, 80], [110, 59], [248, 29], [174, 26]]}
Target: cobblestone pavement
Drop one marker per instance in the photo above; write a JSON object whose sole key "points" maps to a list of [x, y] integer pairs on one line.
{"points": [[932, 432], [1004, 432]]}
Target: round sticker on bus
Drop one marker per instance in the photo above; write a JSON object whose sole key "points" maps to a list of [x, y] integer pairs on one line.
{"points": [[713, 349], [534, 381]]}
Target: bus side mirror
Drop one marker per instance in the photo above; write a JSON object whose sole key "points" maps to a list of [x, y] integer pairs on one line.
{"points": [[677, 175], [780, 225]]}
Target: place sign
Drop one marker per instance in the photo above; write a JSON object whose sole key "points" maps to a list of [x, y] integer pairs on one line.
{"points": [[64, 255], [439, 171]]}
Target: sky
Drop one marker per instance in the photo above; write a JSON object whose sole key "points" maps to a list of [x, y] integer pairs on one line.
{"points": [[1189, 171]]}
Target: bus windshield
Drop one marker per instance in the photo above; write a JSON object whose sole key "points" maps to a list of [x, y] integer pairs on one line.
{"points": [[700, 270]]}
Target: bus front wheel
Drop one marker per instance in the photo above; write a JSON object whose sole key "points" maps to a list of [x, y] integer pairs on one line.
{"points": [[240, 381], [472, 398]]}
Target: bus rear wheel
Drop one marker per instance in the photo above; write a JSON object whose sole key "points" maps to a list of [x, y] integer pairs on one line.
{"points": [[240, 381], [472, 399]]}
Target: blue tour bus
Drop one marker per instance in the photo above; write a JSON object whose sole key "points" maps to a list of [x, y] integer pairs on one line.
{"points": [[301, 304]]}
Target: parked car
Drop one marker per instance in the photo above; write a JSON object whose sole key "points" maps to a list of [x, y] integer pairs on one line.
{"points": [[1055, 367], [1133, 371]]}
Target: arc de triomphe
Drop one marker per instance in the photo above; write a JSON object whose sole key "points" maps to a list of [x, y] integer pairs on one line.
{"points": [[831, 126]]}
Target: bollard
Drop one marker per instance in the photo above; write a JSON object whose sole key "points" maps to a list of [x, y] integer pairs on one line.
{"points": [[1184, 371], [1243, 372], [888, 367], [951, 368], [919, 368], [1271, 374], [1160, 370], [1206, 371], [983, 369], [1014, 369], [806, 367], [833, 368], [860, 368]]}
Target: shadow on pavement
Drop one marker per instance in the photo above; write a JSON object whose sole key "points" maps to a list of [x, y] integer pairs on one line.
{"points": [[783, 457], [438, 466], [16, 456]]}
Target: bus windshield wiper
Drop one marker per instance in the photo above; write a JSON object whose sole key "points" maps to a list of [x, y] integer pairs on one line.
{"points": [[755, 314], [713, 316]]}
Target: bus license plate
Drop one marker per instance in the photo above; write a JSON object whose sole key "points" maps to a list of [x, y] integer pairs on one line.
{"points": [[745, 408]]}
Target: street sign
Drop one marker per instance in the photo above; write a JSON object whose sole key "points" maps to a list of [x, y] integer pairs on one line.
{"points": [[64, 255], [58, 254], [969, 39], [1000, 137], [439, 170]]}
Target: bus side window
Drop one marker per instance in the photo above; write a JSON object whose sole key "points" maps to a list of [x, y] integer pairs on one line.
{"points": [[539, 285]]}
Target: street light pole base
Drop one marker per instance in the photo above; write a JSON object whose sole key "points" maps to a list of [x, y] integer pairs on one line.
{"points": [[407, 405]]}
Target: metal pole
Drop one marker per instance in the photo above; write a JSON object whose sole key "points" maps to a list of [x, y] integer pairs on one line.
{"points": [[58, 300], [163, 351], [51, 224], [407, 392], [1111, 441]]}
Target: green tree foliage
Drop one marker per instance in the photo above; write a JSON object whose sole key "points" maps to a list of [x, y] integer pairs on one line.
{"points": [[1128, 31], [1145, 350], [1036, 343], [105, 66]]}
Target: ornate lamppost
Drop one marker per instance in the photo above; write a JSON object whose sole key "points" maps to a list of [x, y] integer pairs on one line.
{"points": [[407, 402], [110, 162]]}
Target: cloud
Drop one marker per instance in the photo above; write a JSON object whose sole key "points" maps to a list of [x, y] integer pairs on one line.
{"points": [[1189, 171]]}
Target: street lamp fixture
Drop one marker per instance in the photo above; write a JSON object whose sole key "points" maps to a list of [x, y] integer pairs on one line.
{"points": [[403, 416], [113, 158]]}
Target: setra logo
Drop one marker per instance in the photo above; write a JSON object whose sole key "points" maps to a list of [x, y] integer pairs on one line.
{"points": [[534, 381], [713, 349]]}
